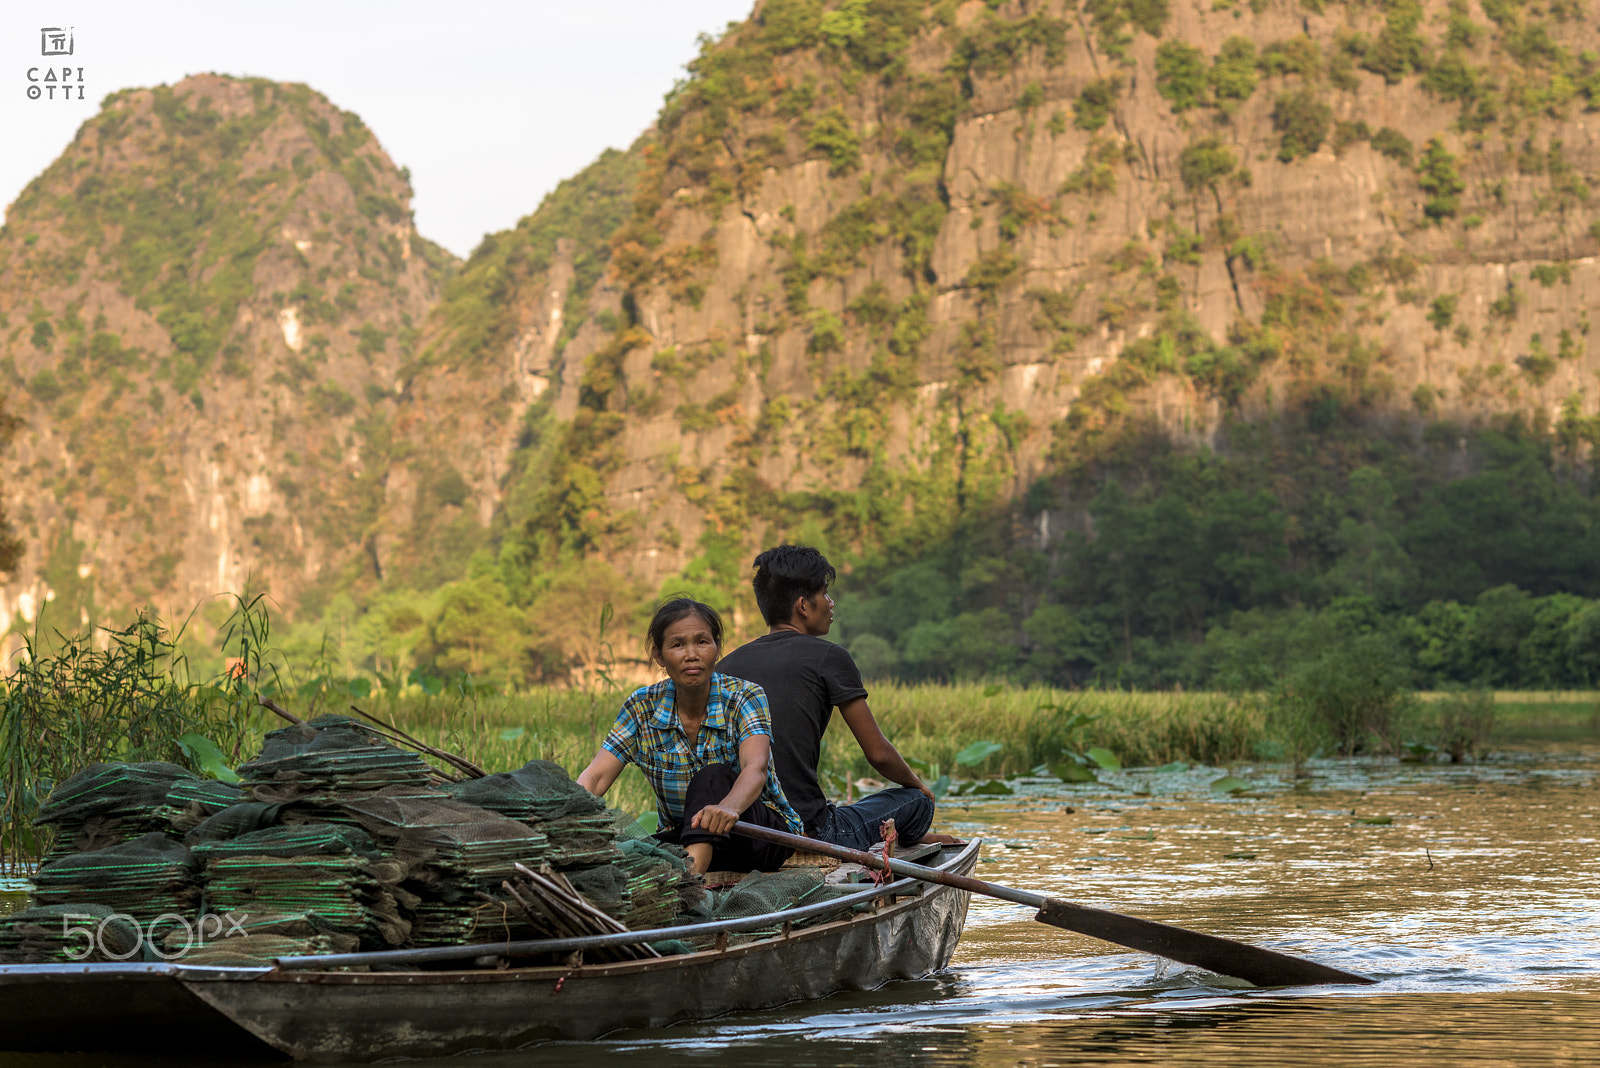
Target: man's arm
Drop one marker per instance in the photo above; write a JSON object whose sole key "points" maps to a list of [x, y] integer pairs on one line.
{"points": [[879, 751]]}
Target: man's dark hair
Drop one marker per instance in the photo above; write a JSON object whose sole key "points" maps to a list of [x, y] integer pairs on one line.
{"points": [[678, 608], [784, 575]]}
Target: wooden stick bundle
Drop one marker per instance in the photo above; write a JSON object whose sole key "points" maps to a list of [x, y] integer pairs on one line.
{"points": [[552, 906], [399, 737], [393, 733]]}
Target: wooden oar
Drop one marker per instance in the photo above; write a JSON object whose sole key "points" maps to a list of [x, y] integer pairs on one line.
{"points": [[1263, 967]]}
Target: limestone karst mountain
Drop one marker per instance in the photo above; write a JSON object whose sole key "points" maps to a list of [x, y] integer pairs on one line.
{"points": [[887, 275], [206, 302], [893, 267]]}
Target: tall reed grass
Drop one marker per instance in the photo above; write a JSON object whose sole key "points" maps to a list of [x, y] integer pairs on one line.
{"points": [[111, 695]]}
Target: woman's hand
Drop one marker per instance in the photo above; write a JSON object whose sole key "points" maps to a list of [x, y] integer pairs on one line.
{"points": [[754, 752], [717, 819]]}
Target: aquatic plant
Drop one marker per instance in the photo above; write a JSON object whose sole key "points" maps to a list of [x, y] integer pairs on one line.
{"points": [[1465, 723], [1353, 698]]}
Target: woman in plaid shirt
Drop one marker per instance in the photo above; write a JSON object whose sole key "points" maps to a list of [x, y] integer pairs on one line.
{"points": [[704, 742]]}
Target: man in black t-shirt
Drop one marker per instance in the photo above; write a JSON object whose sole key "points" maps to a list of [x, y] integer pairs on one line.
{"points": [[805, 678]]}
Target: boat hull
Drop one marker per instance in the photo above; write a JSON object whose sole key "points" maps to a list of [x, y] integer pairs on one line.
{"points": [[359, 1016], [111, 1007]]}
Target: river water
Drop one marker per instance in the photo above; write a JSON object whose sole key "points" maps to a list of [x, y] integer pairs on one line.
{"points": [[1469, 891], [1477, 906]]}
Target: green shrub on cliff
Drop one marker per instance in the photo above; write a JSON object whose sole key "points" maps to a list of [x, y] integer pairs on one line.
{"points": [[1301, 120], [1205, 163], [1233, 74], [1294, 55], [1400, 49], [1095, 103], [832, 135], [1181, 75], [1439, 179]]}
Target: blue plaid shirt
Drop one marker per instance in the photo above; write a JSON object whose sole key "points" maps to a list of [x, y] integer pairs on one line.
{"points": [[647, 733]]}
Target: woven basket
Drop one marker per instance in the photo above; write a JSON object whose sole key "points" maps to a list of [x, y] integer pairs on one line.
{"points": [[812, 860]]}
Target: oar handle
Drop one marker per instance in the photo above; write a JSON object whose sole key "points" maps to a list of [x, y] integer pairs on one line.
{"points": [[802, 844]]}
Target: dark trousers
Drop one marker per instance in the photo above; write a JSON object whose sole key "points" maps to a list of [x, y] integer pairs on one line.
{"points": [[729, 852], [857, 825]]}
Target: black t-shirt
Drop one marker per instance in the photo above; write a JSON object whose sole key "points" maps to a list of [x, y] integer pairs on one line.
{"points": [[805, 678]]}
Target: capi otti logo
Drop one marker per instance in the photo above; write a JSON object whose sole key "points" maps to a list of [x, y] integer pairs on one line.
{"points": [[56, 83]]}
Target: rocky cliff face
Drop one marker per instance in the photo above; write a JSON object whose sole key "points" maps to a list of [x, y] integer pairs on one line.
{"points": [[205, 303], [888, 263], [881, 268]]}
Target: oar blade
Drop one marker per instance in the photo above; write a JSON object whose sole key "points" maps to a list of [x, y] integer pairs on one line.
{"points": [[1263, 967]]}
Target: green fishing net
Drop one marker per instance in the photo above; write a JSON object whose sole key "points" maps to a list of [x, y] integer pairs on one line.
{"points": [[148, 876], [65, 934], [539, 790], [105, 804], [332, 752], [576, 824], [298, 840], [340, 840]]}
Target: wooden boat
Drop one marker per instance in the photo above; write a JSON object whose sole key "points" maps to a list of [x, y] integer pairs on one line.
{"points": [[304, 1009]]}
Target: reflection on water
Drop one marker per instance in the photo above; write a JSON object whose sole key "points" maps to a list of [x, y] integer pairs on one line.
{"points": [[13, 894], [1469, 891]]}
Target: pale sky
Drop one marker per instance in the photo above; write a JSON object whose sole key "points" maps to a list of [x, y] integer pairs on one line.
{"points": [[490, 104]]}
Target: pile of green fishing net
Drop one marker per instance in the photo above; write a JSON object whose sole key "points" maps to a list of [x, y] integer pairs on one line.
{"points": [[107, 804], [338, 840]]}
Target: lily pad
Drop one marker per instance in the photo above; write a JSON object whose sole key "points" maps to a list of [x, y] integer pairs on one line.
{"points": [[992, 788], [1096, 830], [432, 685], [977, 753], [940, 786], [1105, 758], [1176, 765], [204, 752], [1229, 784], [1418, 753], [1067, 771], [1238, 856], [1375, 821]]}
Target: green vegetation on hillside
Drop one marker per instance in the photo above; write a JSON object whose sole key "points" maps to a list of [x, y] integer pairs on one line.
{"points": [[1235, 542], [479, 302], [1299, 536], [1325, 510], [180, 228]]}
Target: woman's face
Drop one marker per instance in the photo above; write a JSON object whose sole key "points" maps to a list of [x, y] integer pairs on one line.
{"points": [[688, 651]]}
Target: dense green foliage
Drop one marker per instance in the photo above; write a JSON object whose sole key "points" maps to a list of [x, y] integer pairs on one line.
{"points": [[1300, 536]]}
